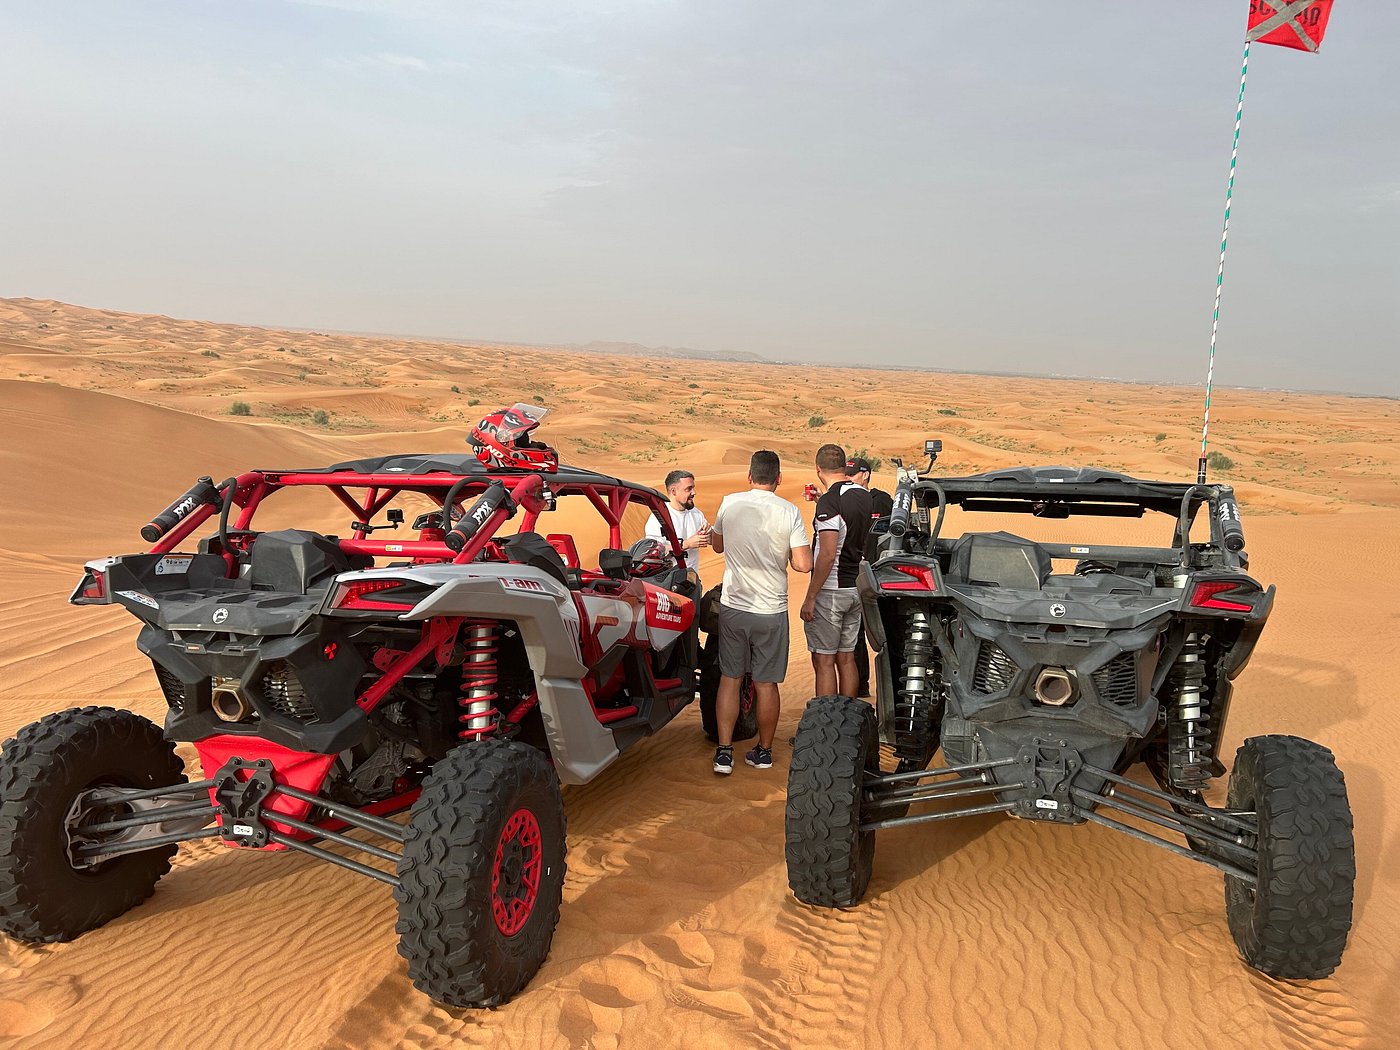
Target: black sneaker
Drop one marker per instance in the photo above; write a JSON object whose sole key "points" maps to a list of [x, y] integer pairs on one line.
{"points": [[724, 760], [760, 757]]}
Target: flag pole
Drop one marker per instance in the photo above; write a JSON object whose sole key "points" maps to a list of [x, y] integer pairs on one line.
{"points": [[1220, 274]]}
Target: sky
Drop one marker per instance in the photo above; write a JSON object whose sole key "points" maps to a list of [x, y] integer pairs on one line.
{"points": [[999, 186]]}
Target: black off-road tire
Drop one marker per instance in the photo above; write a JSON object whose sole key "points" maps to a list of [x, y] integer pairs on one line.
{"points": [[746, 728], [457, 842], [44, 897], [1294, 923], [829, 858]]}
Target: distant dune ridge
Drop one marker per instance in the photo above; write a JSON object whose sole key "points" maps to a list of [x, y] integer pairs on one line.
{"points": [[678, 929]]}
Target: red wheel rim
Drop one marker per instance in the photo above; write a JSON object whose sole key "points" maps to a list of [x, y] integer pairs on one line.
{"points": [[515, 876]]}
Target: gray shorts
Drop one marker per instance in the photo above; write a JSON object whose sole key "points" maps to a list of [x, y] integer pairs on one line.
{"points": [[835, 628], [753, 643]]}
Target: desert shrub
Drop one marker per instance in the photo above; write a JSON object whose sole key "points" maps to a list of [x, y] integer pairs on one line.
{"points": [[1160, 438], [321, 418], [875, 462], [816, 421], [693, 386], [690, 410], [947, 411], [240, 408], [1218, 460], [456, 389], [473, 400], [207, 353]]}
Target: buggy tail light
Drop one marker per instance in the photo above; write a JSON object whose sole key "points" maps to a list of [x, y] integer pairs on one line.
{"points": [[92, 590], [910, 578], [377, 595], [1221, 595]]}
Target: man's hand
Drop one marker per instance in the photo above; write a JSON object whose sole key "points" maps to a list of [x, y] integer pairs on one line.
{"points": [[700, 539], [809, 609]]}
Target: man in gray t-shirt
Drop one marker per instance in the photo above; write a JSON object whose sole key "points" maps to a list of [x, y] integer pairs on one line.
{"points": [[760, 535]]}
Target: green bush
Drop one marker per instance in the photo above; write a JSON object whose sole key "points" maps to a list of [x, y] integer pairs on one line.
{"points": [[816, 421], [875, 461], [456, 389], [240, 408], [1218, 460], [693, 386], [947, 411], [1160, 437], [473, 400], [321, 418], [202, 353], [690, 410]]}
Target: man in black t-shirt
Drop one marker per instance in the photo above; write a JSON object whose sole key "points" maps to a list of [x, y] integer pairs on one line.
{"points": [[831, 611], [881, 506]]}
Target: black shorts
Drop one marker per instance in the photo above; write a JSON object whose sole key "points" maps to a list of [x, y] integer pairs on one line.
{"points": [[753, 643]]}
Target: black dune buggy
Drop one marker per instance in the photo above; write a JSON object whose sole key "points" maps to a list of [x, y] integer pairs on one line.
{"points": [[459, 672], [1044, 688]]}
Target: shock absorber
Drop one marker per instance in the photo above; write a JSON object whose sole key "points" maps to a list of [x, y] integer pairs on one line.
{"points": [[1188, 720], [476, 703], [920, 681]]}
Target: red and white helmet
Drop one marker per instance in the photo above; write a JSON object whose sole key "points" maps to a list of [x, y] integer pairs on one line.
{"points": [[502, 440], [651, 557]]}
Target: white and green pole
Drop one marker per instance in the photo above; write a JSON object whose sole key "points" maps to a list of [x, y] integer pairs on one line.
{"points": [[1220, 273]]}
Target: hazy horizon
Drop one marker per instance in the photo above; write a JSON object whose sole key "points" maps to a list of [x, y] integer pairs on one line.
{"points": [[982, 190]]}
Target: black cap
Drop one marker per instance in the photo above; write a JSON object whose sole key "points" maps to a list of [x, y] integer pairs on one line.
{"points": [[855, 466]]}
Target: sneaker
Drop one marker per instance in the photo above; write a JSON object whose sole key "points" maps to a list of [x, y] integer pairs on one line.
{"points": [[760, 757], [724, 761]]}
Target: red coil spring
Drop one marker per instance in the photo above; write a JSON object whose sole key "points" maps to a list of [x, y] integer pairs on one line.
{"points": [[476, 703]]}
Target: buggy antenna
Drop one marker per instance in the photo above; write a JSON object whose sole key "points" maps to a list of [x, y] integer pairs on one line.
{"points": [[1298, 24], [1220, 273]]}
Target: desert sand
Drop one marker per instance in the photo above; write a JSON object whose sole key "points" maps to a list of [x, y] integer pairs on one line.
{"points": [[678, 928]]}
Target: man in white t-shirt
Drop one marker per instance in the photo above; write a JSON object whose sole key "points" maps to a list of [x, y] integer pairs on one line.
{"points": [[760, 534], [691, 527]]}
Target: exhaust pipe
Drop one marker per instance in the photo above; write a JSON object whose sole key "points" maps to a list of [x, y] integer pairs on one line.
{"points": [[1054, 686], [228, 701]]}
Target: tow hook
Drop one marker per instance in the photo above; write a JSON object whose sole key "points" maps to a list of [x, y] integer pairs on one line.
{"points": [[240, 800]]}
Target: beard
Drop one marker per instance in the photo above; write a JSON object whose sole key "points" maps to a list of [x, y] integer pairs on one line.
{"points": [[688, 504]]}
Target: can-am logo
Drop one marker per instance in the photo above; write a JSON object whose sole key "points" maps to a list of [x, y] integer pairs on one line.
{"points": [[220, 615], [1057, 609]]}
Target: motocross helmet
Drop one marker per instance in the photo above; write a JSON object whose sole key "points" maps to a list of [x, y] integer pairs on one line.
{"points": [[651, 557], [502, 439]]}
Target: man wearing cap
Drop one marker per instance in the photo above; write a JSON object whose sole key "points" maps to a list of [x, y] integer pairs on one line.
{"points": [[881, 506]]}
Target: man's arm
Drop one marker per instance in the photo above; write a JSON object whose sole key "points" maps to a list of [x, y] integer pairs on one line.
{"points": [[800, 558], [717, 537], [826, 559]]}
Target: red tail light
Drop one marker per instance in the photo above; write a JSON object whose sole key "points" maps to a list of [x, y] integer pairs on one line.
{"points": [[920, 579], [1207, 595], [356, 595], [92, 590]]}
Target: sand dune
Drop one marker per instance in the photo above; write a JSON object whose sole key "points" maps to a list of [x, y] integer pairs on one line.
{"points": [[678, 929]]}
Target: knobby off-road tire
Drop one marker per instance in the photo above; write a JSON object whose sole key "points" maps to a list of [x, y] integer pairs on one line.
{"points": [[474, 924], [1294, 924], [746, 728], [829, 859], [44, 897]]}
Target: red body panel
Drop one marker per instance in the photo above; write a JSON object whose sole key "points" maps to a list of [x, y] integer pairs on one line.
{"points": [[297, 769]]}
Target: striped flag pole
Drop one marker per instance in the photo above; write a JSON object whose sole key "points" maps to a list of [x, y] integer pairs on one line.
{"points": [[1220, 274]]}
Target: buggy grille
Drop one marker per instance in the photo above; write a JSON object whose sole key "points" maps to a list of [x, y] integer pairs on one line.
{"points": [[994, 669], [283, 691], [172, 687], [1117, 680]]}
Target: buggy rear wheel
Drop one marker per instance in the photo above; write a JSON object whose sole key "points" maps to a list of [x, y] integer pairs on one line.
{"points": [[829, 857], [1294, 923], [746, 728], [482, 874], [45, 894]]}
